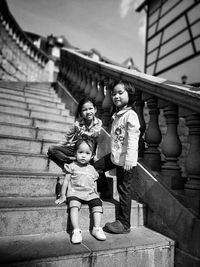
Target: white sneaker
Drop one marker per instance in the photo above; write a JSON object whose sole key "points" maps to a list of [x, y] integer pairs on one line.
{"points": [[98, 233], [76, 236]]}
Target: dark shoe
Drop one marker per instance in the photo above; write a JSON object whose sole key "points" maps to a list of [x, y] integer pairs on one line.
{"points": [[116, 228]]}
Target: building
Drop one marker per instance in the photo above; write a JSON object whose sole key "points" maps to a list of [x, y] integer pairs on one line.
{"points": [[172, 39]]}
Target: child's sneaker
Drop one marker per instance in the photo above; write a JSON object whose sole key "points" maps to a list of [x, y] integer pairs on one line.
{"points": [[98, 233], [76, 236]]}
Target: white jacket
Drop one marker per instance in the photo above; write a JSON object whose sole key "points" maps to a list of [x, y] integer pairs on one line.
{"points": [[125, 133]]}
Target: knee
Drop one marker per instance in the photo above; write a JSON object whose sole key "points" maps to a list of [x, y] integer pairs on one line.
{"points": [[51, 150]]}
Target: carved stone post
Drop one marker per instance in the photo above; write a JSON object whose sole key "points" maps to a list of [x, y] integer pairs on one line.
{"points": [[192, 186], [83, 82], [107, 106], [153, 137], [171, 148], [72, 77], [94, 90], [88, 85], [77, 81], [100, 97], [139, 104]]}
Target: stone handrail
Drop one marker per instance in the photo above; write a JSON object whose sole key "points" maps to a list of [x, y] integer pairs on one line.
{"points": [[175, 155], [20, 58]]}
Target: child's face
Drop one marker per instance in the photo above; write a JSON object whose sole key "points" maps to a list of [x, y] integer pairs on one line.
{"points": [[83, 153], [88, 111], [120, 96]]}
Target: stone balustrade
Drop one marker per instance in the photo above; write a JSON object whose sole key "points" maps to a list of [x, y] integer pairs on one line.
{"points": [[164, 109], [20, 59]]}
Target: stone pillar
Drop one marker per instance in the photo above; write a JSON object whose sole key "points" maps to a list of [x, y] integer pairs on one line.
{"points": [[88, 85], [107, 106], [77, 82], [72, 77], [139, 105], [153, 137], [74, 80], [192, 186], [94, 90], [171, 149], [83, 82], [100, 97]]}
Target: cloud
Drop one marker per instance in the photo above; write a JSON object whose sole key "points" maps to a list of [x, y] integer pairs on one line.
{"points": [[142, 29], [127, 5]]}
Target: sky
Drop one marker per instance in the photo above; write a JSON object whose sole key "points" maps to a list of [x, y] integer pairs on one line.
{"points": [[113, 27]]}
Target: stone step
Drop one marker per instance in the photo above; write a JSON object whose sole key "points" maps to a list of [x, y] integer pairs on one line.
{"points": [[12, 103], [54, 117], [21, 104], [58, 111], [45, 112], [39, 85], [25, 111], [26, 162], [141, 247], [28, 95], [53, 98], [35, 100], [37, 119], [24, 144], [15, 110], [26, 216], [21, 85], [32, 132], [50, 124], [28, 184], [22, 91], [16, 119]]}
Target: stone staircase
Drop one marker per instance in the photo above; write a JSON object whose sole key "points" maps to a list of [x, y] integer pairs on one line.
{"points": [[33, 230]]}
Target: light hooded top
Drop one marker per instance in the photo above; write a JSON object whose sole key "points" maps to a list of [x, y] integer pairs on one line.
{"points": [[125, 134], [82, 181]]}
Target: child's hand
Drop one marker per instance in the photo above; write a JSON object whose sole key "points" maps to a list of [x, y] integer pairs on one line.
{"points": [[60, 200], [127, 166]]}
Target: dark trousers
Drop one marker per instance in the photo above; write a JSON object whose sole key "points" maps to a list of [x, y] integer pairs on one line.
{"points": [[60, 154], [124, 187]]}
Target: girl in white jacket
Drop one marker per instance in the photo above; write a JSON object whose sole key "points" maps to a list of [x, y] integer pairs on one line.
{"points": [[125, 133]]}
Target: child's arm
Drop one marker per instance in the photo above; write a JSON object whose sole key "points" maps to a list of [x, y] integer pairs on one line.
{"points": [[71, 134], [133, 133], [63, 190]]}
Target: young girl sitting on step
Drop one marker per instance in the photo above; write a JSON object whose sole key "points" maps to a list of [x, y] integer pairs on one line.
{"points": [[80, 183]]}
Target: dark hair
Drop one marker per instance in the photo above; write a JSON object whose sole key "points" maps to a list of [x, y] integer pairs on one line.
{"points": [[80, 105], [129, 88], [88, 140]]}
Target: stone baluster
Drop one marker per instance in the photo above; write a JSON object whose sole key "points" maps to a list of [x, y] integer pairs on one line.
{"points": [[73, 77], [192, 186], [107, 105], [77, 81], [89, 84], [68, 80], [84, 81], [139, 105], [100, 96], [153, 137], [171, 149], [80, 91], [94, 90]]}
